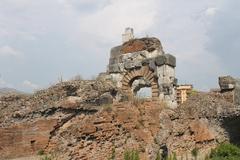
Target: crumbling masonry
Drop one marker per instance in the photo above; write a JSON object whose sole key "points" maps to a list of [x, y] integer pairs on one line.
{"points": [[139, 63]]}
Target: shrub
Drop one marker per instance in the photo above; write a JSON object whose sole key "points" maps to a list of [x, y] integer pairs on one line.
{"points": [[172, 157], [131, 155], [113, 156], [193, 92], [40, 152], [194, 153], [46, 158], [225, 151], [158, 156]]}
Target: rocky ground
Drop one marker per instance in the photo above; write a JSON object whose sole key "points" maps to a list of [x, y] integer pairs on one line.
{"points": [[84, 120]]}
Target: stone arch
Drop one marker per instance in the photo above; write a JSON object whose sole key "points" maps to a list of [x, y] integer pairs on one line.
{"points": [[144, 72]]}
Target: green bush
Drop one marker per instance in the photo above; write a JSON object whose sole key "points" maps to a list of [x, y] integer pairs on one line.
{"points": [[40, 152], [158, 156], [131, 155], [113, 155], [46, 158], [225, 151], [194, 153], [172, 157]]}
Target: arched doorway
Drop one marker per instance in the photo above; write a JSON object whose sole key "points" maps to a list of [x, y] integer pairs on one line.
{"points": [[134, 80], [141, 88]]}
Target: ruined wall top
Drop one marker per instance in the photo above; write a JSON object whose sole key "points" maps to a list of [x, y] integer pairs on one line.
{"points": [[132, 44], [135, 51], [149, 44]]}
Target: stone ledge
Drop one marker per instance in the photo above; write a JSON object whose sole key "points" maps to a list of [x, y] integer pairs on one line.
{"points": [[167, 59]]}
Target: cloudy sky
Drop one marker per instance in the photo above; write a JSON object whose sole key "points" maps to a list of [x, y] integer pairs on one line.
{"points": [[43, 40]]}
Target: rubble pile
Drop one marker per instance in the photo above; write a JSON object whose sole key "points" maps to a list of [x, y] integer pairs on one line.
{"points": [[27, 121]]}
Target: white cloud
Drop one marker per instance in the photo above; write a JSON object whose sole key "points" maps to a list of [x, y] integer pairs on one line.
{"points": [[9, 51], [30, 85], [211, 11], [109, 22], [16, 4], [184, 33]]}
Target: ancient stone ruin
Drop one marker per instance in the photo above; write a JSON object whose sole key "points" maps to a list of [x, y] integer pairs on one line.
{"points": [[86, 119], [230, 86], [139, 63]]}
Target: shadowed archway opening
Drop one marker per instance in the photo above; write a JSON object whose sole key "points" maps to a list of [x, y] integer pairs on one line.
{"points": [[232, 127]]}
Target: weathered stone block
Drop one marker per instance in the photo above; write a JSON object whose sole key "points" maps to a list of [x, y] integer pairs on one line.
{"points": [[113, 61], [226, 83], [115, 51], [201, 131], [146, 61], [152, 65], [114, 68], [132, 64], [165, 59], [136, 56], [237, 92]]}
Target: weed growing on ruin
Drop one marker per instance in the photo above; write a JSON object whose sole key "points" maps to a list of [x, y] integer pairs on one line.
{"points": [[40, 152], [46, 158], [131, 155], [159, 157], [172, 157], [194, 153], [193, 92], [225, 151], [113, 156]]}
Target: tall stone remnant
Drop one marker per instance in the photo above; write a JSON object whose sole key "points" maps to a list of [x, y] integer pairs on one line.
{"points": [[139, 63], [230, 85]]}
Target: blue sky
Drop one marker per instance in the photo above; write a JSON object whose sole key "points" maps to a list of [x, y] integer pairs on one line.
{"points": [[41, 41]]}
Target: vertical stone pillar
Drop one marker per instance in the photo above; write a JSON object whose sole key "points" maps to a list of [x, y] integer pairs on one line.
{"points": [[166, 78], [127, 35]]}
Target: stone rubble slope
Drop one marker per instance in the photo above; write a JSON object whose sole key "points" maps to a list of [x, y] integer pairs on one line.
{"points": [[88, 93], [198, 123], [82, 120], [147, 127], [27, 122], [113, 130]]}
